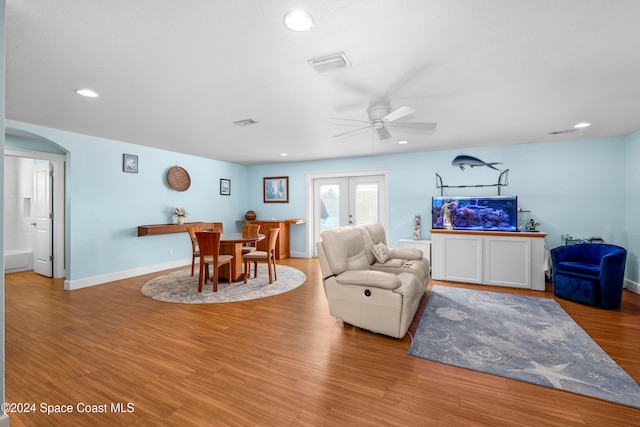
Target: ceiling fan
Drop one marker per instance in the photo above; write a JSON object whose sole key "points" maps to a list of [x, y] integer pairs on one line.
{"points": [[381, 117]]}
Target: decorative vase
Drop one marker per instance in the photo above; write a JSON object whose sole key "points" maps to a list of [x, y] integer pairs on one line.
{"points": [[250, 215], [416, 227], [180, 220]]}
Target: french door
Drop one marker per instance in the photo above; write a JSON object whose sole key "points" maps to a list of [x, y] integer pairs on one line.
{"points": [[348, 200]]}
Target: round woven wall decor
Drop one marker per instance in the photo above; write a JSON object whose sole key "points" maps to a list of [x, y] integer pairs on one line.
{"points": [[178, 178]]}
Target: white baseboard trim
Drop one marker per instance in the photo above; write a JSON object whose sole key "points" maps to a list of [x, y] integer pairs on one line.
{"points": [[299, 255], [632, 286], [70, 285]]}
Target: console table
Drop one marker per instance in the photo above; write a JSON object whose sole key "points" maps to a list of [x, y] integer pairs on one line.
{"points": [[282, 244], [152, 229], [512, 259]]}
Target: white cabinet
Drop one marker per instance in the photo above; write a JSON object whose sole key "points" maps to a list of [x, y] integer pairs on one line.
{"points": [[491, 258], [423, 245]]}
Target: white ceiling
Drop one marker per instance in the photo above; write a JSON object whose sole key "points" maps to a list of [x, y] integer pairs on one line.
{"points": [[175, 75]]}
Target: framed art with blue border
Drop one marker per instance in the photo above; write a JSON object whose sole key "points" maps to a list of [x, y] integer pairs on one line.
{"points": [[225, 187], [129, 163], [276, 189]]}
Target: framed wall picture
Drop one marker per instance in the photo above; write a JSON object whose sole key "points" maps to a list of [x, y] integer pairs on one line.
{"points": [[225, 187], [276, 189], [129, 163]]}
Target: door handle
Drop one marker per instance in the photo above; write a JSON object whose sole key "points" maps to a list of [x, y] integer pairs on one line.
{"points": [[33, 223]]}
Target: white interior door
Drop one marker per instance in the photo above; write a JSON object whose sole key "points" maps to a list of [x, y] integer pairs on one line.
{"points": [[42, 248], [348, 200]]}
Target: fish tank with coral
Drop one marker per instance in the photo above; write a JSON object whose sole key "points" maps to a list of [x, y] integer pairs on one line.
{"points": [[497, 213]]}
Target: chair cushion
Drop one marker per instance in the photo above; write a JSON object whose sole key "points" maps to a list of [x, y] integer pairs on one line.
{"points": [[580, 267], [573, 288], [381, 252], [208, 259], [255, 255]]}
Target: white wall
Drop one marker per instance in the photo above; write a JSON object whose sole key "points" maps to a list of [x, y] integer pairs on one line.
{"points": [[18, 203]]}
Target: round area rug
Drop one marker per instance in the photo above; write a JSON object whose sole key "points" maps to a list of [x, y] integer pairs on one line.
{"points": [[181, 287]]}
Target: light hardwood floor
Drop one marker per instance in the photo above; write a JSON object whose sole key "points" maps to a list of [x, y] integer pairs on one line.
{"points": [[279, 361]]}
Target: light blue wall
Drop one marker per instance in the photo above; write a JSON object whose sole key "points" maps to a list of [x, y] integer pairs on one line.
{"points": [[105, 205], [632, 201], [574, 187]]}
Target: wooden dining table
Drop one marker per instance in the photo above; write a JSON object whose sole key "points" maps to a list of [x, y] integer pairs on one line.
{"points": [[231, 244]]}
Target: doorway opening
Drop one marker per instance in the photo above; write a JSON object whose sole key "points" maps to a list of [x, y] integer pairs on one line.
{"points": [[34, 212]]}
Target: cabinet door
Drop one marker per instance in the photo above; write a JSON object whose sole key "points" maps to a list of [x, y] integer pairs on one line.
{"points": [[282, 244], [507, 261], [461, 258]]}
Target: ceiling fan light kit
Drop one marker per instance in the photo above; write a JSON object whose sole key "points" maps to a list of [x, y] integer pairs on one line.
{"points": [[381, 117]]}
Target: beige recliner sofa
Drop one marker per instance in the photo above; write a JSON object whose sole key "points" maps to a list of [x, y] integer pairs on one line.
{"points": [[376, 291]]}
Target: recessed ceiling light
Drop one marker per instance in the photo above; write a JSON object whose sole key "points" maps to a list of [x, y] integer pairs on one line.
{"points": [[283, 154], [403, 142], [87, 92], [582, 125], [298, 20]]}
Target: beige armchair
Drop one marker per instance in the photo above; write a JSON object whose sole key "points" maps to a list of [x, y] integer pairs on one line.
{"points": [[380, 295]]}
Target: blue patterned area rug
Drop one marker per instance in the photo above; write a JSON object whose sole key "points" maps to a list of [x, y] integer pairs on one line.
{"points": [[529, 339], [181, 287]]}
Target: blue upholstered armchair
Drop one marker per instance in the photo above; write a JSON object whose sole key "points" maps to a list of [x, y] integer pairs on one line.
{"points": [[589, 273]]}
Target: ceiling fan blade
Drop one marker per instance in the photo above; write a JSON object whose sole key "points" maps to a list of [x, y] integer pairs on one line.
{"points": [[351, 131], [383, 134], [414, 125], [350, 120], [399, 113]]}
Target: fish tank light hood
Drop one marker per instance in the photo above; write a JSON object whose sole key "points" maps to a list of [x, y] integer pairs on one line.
{"points": [[495, 213]]}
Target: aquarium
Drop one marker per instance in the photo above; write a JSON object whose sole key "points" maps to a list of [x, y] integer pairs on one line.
{"points": [[497, 213]]}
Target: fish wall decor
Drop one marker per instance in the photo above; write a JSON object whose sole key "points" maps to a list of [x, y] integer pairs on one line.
{"points": [[462, 161]]}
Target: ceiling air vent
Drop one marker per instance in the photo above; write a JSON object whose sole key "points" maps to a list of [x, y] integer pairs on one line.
{"points": [[245, 122], [330, 62], [559, 132]]}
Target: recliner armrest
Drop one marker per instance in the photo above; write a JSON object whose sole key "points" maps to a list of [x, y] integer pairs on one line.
{"points": [[372, 278], [406, 253]]}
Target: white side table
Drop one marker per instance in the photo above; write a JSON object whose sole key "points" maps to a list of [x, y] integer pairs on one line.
{"points": [[423, 245]]}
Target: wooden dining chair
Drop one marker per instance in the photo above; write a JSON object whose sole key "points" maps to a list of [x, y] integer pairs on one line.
{"points": [[217, 227], [250, 231], [269, 256], [194, 244], [209, 245]]}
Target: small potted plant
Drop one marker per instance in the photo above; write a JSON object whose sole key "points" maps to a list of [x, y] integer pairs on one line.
{"points": [[181, 214]]}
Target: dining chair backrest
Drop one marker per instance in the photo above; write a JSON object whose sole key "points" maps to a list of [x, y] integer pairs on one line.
{"points": [[273, 239], [209, 243], [250, 230], [217, 227], [192, 234]]}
